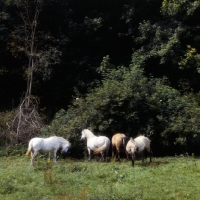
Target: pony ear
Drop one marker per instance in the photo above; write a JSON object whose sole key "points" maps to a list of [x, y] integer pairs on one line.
{"points": [[132, 140]]}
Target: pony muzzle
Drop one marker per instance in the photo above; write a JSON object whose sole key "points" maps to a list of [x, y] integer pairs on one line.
{"points": [[65, 150], [83, 139]]}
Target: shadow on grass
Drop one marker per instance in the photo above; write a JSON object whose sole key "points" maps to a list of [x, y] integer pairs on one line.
{"points": [[156, 162]]}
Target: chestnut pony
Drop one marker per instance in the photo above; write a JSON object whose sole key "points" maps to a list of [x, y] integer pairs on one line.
{"points": [[96, 144], [138, 146], [119, 141]]}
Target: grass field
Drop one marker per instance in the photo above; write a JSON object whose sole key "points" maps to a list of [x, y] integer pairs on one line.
{"points": [[163, 179]]}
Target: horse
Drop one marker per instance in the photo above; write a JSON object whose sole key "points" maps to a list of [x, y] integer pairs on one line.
{"points": [[96, 144], [46, 145], [138, 146], [119, 141]]}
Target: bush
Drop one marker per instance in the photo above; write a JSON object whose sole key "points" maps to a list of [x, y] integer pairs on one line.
{"points": [[5, 123], [126, 101]]}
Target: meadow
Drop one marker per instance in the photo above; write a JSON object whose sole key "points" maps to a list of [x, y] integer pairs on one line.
{"points": [[165, 178]]}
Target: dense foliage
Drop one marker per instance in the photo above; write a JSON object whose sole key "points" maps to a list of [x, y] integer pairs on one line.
{"points": [[110, 66], [127, 101]]}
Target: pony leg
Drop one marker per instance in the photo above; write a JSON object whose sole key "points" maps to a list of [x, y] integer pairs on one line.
{"points": [[113, 151], [107, 155], [150, 154], [102, 156], [89, 154], [143, 157], [54, 156], [132, 156], [127, 154], [33, 154], [118, 155]]}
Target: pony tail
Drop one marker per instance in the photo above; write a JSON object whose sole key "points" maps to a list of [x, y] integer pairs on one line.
{"points": [[124, 141], [100, 149], [29, 149]]}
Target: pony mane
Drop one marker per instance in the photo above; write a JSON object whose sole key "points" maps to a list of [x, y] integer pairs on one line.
{"points": [[61, 139], [87, 131], [134, 142]]}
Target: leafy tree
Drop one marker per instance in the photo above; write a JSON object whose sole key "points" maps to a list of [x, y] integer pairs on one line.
{"points": [[129, 102], [168, 41], [29, 42], [32, 42]]}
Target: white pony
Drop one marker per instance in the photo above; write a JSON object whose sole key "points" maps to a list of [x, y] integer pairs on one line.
{"points": [[46, 145], [97, 144], [138, 145]]}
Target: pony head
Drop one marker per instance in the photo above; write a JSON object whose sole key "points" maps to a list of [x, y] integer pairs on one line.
{"points": [[66, 145], [135, 147], [83, 134]]}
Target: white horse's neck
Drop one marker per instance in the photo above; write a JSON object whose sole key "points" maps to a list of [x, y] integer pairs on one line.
{"points": [[62, 140], [89, 134]]}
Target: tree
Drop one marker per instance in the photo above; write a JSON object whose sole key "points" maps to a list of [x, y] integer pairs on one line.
{"points": [[171, 45], [29, 42], [127, 101]]}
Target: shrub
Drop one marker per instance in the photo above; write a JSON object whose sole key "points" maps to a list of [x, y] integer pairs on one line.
{"points": [[126, 101]]}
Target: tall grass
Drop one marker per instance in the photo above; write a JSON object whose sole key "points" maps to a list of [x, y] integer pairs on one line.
{"points": [[163, 179]]}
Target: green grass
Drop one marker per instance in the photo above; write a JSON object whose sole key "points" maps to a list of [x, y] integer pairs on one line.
{"points": [[163, 179]]}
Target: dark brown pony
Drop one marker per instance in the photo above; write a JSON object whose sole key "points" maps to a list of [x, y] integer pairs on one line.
{"points": [[119, 141]]}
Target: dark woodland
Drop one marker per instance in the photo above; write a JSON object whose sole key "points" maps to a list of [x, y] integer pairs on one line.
{"points": [[110, 66]]}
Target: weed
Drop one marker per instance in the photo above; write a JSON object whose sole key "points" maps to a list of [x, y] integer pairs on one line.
{"points": [[48, 176]]}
